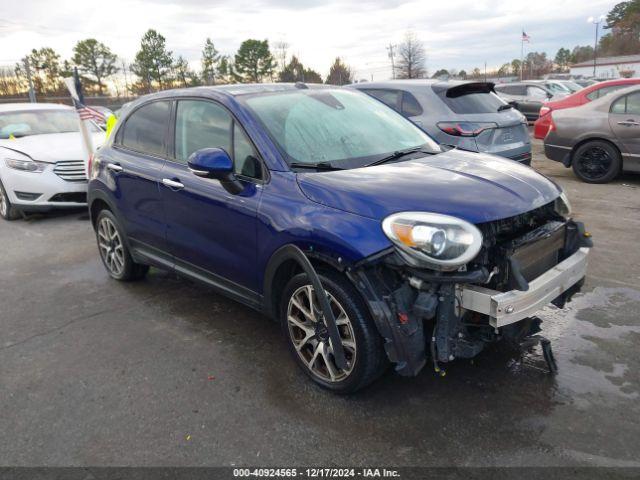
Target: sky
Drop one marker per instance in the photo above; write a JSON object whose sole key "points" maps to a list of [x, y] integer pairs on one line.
{"points": [[460, 34]]}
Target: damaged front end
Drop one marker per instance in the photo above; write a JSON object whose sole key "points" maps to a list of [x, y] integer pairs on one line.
{"points": [[426, 311]]}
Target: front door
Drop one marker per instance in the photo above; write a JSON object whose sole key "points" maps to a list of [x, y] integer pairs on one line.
{"points": [[210, 232]]}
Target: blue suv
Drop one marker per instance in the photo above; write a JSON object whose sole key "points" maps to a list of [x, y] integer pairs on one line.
{"points": [[337, 217]]}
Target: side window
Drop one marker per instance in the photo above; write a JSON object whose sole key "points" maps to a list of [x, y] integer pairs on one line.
{"points": [[145, 129], [593, 95], [201, 124], [245, 161], [620, 105], [390, 98], [633, 104], [410, 106]]}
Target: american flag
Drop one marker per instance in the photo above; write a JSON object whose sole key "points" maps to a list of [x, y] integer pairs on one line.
{"points": [[88, 113], [525, 37]]}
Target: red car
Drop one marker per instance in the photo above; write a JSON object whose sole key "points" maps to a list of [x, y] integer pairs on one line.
{"points": [[541, 126]]}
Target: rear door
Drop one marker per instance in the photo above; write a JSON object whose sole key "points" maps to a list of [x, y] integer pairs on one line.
{"points": [[211, 232], [135, 167], [624, 119]]}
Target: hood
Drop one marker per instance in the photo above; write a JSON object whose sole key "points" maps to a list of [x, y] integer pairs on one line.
{"points": [[52, 147], [472, 186]]}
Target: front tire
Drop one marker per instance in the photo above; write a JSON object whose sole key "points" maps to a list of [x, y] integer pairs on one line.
{"points": [[114, 251], [7, 211], [308, 339], [596, 162]]}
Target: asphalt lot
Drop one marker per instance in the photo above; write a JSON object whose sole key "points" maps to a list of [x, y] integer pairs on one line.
{"points": [[165, 372]]}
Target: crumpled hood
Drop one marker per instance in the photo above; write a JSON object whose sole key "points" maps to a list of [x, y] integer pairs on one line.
{"points": [[476, 187], [52, 147]]}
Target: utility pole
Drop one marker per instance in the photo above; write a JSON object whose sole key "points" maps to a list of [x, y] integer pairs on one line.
{"points": [[32, 92], [126, 81], [392, 55], [596, 22]]}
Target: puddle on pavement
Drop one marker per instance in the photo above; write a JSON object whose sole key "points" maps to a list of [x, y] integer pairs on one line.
{"points": [[594, 340]]}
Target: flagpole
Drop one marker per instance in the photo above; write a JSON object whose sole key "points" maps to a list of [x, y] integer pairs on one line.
{"points": [[521, 52], [75, 89]]}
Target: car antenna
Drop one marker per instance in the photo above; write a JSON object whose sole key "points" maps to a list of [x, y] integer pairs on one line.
{"points": [[301, 85]]}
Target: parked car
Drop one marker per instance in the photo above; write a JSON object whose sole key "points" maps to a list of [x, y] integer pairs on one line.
{"points": [[41, 154], [467, 115], [339, 218], [598, 139], [526, 97], [597, 90], [585, 82], [557, 86]]}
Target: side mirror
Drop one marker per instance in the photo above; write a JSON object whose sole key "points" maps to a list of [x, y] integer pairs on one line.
{"points": [[217, 164]]}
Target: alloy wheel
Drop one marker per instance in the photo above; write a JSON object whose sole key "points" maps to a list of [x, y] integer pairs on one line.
{"points": [[110, 244], [310, 336], [595, 163]]}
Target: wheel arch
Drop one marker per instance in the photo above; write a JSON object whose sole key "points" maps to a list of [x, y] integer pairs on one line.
{"points": [[282, 266], [583, 141], [98, 201]]}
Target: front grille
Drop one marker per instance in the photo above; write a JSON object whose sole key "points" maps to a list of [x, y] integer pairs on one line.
{"points": [[499, 231], [533, 239], [70, 197], [71, 170]]}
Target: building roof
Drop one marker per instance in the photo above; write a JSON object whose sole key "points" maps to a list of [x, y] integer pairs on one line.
{"points": [[610, 61]]}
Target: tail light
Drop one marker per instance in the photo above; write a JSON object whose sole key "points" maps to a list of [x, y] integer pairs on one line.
{"points": [[466, 129], [552, 125], [89, 165], [544, 111]]}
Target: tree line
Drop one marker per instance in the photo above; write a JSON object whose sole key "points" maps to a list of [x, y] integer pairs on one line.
{"points": [[155, 67]]}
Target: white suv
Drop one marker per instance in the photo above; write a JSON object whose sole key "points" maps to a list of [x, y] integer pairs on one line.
{"points": [[41, 158]]}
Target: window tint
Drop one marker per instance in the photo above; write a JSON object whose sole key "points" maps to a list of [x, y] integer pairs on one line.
{"points": [[633, 104], [410, 106], [246, 161], [474, 103], [146, 128], [390, 98], [201, 124]]}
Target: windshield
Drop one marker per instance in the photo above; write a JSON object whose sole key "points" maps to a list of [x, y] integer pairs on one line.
{"points": [[344, 127], [38, 122]]}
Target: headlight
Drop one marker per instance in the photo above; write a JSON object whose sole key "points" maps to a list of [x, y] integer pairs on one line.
{"points": [[25, 165], [441, 241], [562, 205]]}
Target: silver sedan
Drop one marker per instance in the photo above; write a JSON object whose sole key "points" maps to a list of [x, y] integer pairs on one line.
{"points": [[599, 139]]}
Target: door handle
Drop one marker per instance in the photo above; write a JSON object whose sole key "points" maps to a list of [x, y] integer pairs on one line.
{"points": [[114, 167], [629, 123], [172, 184]]}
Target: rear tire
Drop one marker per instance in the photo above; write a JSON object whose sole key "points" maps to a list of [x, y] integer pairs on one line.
{"points": [[7, 211], [308, 340], [596, 162], [114, 250]]}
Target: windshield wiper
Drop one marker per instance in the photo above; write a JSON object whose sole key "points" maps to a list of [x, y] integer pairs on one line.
{"points": [[398, 154], [315, 166], [502, 108]]}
